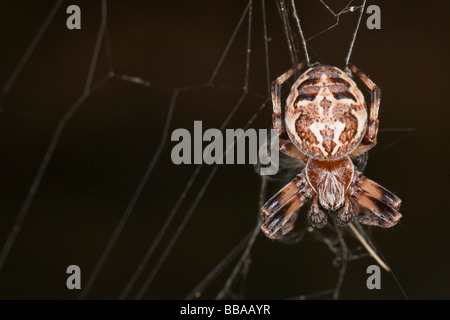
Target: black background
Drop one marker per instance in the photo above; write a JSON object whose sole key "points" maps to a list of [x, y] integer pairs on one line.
{"points": [[108, 143]]}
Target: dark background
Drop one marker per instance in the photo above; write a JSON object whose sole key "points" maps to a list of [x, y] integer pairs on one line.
{"points": [[108, 143]]}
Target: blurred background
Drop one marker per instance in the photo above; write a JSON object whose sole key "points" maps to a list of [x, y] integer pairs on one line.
{"points": [[105, 146]]}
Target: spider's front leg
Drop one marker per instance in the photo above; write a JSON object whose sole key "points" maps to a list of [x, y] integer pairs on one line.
{"points": [[370, 138], [286, 146], [279, 212], [377, 205]]}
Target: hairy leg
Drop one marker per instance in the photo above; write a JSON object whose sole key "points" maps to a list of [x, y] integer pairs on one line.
{"points": [[279, 210], [370, 138], [375, 205], [316, 216], [345, 214], [286, 145]]}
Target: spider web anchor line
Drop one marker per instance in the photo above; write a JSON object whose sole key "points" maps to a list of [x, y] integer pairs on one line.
{"points": [[337, 16], [88, 89], [230, 42], [174, 238], [12, 79], [297, 19], [347, 59], [113, 239], [304, 41], [369, 249]]}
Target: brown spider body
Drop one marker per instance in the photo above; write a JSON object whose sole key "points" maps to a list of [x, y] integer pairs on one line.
{"points": [[326, 124], [326, 115]]}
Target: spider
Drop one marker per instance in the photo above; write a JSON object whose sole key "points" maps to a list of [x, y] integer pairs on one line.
{"points": [[326, 125]]}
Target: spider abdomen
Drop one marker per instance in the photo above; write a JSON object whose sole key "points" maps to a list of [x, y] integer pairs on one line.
{"points": [[326, 114]]}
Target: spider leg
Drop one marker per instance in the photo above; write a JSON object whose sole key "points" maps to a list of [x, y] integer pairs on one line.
{"points": [[345, 214], [370, 138], [276, 97], [286, 145], [316, 216], [365, 216], [377, 206], [278, 214], [286, 228], [386, 216], [379, 192]]}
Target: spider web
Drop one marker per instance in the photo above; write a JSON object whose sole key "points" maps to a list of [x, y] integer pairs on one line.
{"points": [[169, 223]]}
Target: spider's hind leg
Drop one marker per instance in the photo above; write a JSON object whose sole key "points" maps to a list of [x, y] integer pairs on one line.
{"points": [[379, 192], [366, 216], [377, 205], [278, 214]]}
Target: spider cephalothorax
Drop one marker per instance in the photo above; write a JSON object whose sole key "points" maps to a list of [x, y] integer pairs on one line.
{"points": [[326, 125]]}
